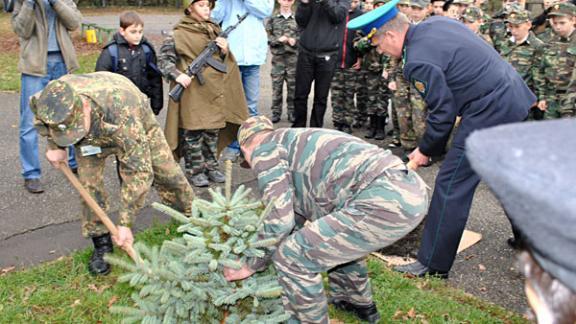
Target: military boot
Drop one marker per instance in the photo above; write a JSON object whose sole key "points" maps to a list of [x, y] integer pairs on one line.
{"points": [[367, 313], [372, 128], [102, 245], [380, 128]]}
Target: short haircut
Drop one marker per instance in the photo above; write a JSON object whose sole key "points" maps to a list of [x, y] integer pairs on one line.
{"points": [[129, 18], [398, 23], [559, 299]]}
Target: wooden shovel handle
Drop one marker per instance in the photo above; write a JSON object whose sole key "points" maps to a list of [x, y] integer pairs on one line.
{"points": [[96, 208]]}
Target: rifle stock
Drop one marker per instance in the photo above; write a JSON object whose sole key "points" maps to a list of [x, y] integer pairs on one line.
{"points": [[195, 68]]}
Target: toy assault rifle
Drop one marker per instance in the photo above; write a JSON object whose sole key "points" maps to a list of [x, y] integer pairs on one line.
{"points": [[203, 59]]}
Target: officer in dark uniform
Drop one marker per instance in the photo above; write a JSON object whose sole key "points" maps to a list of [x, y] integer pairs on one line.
{"points": [[458, 74]]}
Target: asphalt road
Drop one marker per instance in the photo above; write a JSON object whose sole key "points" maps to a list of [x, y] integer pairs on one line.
{"points": [[38, 228]]}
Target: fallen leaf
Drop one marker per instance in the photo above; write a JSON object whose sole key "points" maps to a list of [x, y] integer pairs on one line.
{"points": [[28, 291], [335, 321], [483, 289], [75, 303], [6, 270], [97, 289], [398, 315], [468, 257], [411, 313], [481, 267], [167, 231], [112, 301], [52, 252]]}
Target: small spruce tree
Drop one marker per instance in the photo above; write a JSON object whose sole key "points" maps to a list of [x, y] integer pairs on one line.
{"points": [[183, 281]]}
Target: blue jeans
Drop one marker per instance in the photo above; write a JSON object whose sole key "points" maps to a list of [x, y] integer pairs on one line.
{"points": [[28, 135], [251, 83]]}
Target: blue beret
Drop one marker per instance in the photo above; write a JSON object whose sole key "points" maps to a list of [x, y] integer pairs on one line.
{"points": [[531, 168], [375, 18]]}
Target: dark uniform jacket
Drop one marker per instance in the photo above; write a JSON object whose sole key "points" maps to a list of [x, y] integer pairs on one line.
{"points": [[322, 23], [132, 63], [459, 74]]}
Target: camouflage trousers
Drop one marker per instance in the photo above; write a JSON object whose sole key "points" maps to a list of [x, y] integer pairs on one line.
{"points": [[200, 150], [377, 93], [169, 180], [342, 96], [377, 216], [555, 110], [411, 111], [360, 114], [283, 71]]}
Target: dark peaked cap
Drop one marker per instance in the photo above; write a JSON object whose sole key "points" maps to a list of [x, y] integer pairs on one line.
{"points": [[531, 167]]}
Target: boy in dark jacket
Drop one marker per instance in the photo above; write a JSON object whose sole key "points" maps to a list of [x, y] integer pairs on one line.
{"points": [[131, 55]]}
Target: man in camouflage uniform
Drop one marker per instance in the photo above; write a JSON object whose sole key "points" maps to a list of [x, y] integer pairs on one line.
{"points": [[462, 5], [377, 93], [282, 38], [556, 73], [497, 28], [356, 197], [523, 50], [473, 18], [105, 114]]}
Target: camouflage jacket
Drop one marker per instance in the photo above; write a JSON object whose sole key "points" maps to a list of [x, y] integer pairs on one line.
{"points": [[524, 57], [311, 173], [498, 31], [371, 59], [557, 66], [278, 26], [120, 122]]}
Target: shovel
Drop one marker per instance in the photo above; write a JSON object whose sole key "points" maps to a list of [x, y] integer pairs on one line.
{"points": [[96, 208]]}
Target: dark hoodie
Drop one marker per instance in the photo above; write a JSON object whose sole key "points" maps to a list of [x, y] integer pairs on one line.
{"points": [[132, 64]]}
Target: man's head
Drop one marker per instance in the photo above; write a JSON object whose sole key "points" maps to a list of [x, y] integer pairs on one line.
{"points": [[379, 3], [563, 18], [462, 5], [404, 7], [519, 23], [473, 18], [354, 4], [62, 112], [437, 6], [419, 10], [131, 27], [200, 9], [251, 133]]}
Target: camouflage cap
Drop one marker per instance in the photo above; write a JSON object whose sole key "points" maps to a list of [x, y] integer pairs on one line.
{"points": [[252, 126], [404, 2], [518, 16], [565, 9], [472, 14], [60, 109], [378, 2], [419, 3], [464, 2]]}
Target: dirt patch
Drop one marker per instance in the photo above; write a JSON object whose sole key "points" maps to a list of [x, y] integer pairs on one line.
{"points": [[11, 45]]}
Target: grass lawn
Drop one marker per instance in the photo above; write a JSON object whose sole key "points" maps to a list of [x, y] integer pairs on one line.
{"points": [[62, 291]]}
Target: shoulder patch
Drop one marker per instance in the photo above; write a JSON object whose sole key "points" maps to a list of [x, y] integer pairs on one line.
{"points": [[420, 86]]}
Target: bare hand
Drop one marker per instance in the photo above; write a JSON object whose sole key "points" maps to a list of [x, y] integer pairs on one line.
{"points": [[418, 158], [291, 41], [283, 39], [240, 274], [392, 86], [125, 238], [56, 157], [542, 105], [385, 76], [223, 44], [184, 80]]}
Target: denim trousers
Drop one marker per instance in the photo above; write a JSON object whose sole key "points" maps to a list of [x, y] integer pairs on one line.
{"points": [[251, 83], [30, 85]]}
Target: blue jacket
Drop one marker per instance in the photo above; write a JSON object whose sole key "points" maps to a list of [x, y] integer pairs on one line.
{"points": [[459, 74], [248, 42]]}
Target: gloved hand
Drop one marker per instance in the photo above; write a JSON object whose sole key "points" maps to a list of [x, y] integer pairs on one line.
{"points": [[156, 111]]}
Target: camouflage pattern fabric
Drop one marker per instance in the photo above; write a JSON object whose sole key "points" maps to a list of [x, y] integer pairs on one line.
{"points": [[123, 125], [419, 113], [357, 199], [524, 57], [401, 102], [360, 115], [377, 93], [344, 83], [200, 150], [284, 59], [555, 75]]}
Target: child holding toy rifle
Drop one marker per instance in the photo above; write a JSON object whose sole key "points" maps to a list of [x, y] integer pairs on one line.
{"points": [[207, 114]]}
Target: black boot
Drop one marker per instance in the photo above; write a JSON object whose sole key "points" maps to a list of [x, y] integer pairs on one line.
{"points": [[372, 130], [367, 313], [380, 125], [346, 128], [102, 245]]}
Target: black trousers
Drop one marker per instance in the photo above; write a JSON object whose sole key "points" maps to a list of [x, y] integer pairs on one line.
{"points": [[320, 69]]}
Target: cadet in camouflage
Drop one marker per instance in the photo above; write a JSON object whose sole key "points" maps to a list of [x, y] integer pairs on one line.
{"points": [[556, 73], [105, 114], [356, 197], [523, 50], [473, 17], [283, 41]]}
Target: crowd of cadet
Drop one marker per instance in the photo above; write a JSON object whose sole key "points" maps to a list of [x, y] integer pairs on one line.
{"points": [[542, 50]]}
